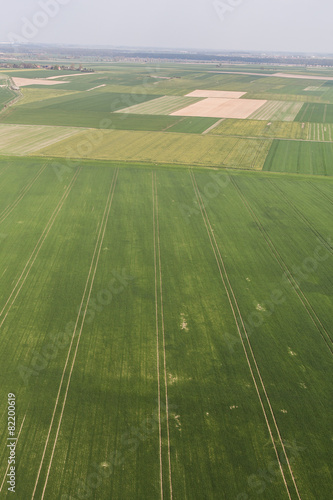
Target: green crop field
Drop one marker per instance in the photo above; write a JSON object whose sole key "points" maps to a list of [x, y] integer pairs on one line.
{"points": [[317, 113], [162, 106], [300, 157], [171, 345], [166, 285], [158, 147], [277, 111]]}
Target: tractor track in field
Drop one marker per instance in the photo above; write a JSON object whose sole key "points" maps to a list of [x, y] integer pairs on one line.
{"points": [[27, 268], [301, 216], [82, 311], [158, 278], [320, 191], [8, 210], [240, 325], [293, 282]]}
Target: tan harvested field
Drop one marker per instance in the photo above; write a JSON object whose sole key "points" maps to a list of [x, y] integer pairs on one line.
{"points": [[25, 139], [226, 94], [23, 82], [222, 108]]}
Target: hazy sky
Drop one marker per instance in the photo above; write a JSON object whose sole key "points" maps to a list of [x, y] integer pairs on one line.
{"points": [[264, 25]]}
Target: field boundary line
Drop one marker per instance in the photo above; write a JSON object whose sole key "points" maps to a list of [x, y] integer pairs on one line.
{"points": [[212, 126], [216, 249], [38, 247], [163, 336], [23, 192], [99, 242], [157, 344], [286, 270]]}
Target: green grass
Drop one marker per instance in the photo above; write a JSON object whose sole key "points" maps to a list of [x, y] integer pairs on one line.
{"points": [[193, 125], [313, 158], [219, 441], [6, 96], [77, 109], [317, 113]]}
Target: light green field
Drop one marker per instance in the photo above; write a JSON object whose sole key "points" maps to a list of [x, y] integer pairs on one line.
{"points": [[260, 128], [24, 139], [161, 106], [185, 362], [320, 131], [277, 111], [160, 147]]}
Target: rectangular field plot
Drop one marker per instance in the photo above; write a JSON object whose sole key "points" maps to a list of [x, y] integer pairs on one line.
{"points": [[216, 93], [260, 128], [317, 113], [24, 139], [313, 158], [160, 106], [320, 131], [277, 111], [156, 334], [165, 148], [222, 108]]}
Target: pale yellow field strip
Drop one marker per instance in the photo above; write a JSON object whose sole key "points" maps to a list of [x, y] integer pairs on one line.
{"points": [[24, 139], [227, 94], [73, 74], [98, 87], [222, 108], [303, 77], [23, 82], [212, 126]]}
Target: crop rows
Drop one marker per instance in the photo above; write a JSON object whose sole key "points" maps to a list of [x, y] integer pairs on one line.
{"points": [[164, 148], [277, 111], [161, 106], [24, 139]]}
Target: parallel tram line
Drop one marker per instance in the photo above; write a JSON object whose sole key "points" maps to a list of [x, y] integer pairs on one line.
{"points": [[8, 210], [277, 256], [240, 323], [27, 268], [163, 336], [82, 312]]}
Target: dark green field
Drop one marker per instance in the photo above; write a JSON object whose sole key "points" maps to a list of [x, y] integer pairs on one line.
{"points": [[317, 113], [300, 157]]}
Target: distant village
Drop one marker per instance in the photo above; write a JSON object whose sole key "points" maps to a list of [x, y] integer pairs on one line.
{"points": [[55, 67]]}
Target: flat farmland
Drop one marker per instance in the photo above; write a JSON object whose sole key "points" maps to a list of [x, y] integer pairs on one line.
{"points": [[161, 106], [260, 128], [160, 147], [278, 111], [6, 95], [317, 113], [300, 157], [221, 108], [172, 346], [24, 139]]}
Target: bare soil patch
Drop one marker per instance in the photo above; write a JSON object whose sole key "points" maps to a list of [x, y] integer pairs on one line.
{"points": [[221, 108]]}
